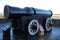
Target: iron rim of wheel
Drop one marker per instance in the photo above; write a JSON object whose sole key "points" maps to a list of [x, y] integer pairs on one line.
{"points": [[48, 24], [33, 27]]}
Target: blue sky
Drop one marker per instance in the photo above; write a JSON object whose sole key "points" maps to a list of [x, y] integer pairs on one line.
{"points": [[53, 5]]}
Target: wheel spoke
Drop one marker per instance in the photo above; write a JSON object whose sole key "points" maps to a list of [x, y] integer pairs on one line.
{"points": [[48, 24], [33, 28]]}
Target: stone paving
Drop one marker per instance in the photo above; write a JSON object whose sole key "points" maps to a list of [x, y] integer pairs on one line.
{"points": [[54, 35]]}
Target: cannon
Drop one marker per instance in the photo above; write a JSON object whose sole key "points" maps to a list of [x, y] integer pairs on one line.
{"points": [[28, 19]]}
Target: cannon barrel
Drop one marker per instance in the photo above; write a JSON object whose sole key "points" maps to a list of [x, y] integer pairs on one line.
{"points": [[15, 11], [28, 19]]}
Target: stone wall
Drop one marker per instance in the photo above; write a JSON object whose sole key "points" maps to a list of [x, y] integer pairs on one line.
{"points": [[56, 22]]}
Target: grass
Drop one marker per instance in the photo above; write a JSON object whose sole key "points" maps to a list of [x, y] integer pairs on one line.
{"points": [[56, 16], [1, 16], [53, 16]]}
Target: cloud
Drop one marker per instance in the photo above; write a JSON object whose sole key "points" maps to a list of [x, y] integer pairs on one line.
{"points": [[42, 4]]}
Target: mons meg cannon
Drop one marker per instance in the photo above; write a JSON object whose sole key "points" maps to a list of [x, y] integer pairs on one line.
{"points": [[28, 19]]}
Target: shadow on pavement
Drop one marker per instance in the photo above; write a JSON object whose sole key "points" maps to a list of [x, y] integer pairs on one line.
{"points": [[54, 35]]}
